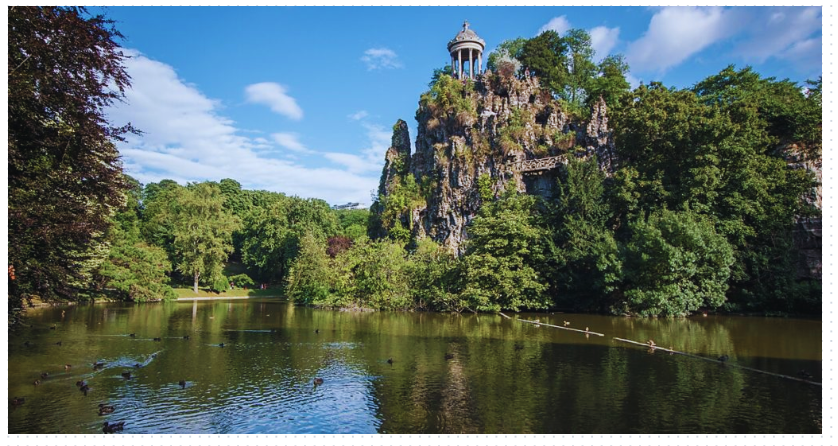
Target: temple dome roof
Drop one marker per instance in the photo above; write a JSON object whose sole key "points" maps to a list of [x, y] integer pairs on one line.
{"points": [[466, 35]]}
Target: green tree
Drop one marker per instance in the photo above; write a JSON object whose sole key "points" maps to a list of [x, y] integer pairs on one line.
{"points": [[586, 255], [309, 274], [580, 66], [675, 263], [202, 231], [544, 56], [504, 255], [65, 68], [272, 235], [507, 50], [610, 82]]}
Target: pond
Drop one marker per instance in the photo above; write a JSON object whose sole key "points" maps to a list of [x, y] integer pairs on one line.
{"points": [[448, 373]]}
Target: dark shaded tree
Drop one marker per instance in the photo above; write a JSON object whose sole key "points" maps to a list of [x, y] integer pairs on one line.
{"points": [[65, 178]]}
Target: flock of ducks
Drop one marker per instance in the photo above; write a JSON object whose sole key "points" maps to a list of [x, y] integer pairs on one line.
{"points": [[107, 409]]}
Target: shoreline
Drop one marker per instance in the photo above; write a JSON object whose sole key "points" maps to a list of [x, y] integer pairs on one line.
{"points": [[194, 298]]}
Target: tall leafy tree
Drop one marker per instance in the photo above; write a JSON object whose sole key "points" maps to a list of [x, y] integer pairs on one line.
{"points": [[65, 179], [502, 266], [610, 82], [586, 255], [580, 66], [202, 231], [544, 56]]}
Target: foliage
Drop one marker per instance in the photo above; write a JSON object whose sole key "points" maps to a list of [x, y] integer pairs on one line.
{"points": [[565, 66], [610, 83], [438, 72], [675, 263], [718, 151], [508, 51], [309, 274], [586, 255], [241, 280], [353, 222], [506, 248], [544, 56], [64, 174], [137, 272], [272, 234], [394, 209], [450, 97], [201, 231], [337, 245], [484, 187]]}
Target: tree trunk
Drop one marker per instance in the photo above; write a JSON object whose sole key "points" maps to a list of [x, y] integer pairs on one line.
{"points": [[195, 286]]}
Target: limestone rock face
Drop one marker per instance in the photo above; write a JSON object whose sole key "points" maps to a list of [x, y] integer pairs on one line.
{"points": [[498, 122], [807, 235], [397, 158]]}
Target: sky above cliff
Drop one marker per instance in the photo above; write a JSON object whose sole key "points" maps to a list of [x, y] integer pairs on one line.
{"points": [[302, 100]]}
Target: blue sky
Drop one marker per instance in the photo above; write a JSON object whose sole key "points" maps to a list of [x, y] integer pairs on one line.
{"points": [[302, 100]]}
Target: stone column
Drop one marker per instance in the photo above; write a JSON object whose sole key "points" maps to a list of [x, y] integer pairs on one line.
{"points": [[460, 62], [470, 64], [480, 62]]}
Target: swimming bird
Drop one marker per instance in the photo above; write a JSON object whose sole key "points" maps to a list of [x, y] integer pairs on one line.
{"points": [[723, 358], [804, 374], [390, 361], [80, 383], [566, 323], [518, 346], [85, 388], [182, 384], [317, 330], [52, 327], [186, 337], [67, 367], [221, 345], [18, 400], [105, 409], [126, 375], [449, 356], [111, 428], [37, 382], [132, 335], [44, 375], [318, 381], [98, 365], [158, 339], [59, 343], [651, 343], [137, 365]]}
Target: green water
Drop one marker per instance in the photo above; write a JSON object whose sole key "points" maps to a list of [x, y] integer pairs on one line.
{"points": [[504, 377]]}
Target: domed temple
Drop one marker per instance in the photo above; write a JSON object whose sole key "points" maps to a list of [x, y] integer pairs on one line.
{"points": [[467, 47]]}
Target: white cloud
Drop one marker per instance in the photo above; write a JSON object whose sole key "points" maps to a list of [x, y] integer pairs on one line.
{"points": [[290, 141], [784, 33], [603, 40], [186, 139], [357, 116], [371, 159], [274, 96], [381, 58], [558, 24], [676, 33]]}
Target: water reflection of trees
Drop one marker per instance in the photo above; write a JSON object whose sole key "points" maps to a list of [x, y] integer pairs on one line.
{"points": [[553, 382]]}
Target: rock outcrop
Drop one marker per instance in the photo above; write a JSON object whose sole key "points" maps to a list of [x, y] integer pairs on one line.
{"points": [[467, 130], [807, 235]]}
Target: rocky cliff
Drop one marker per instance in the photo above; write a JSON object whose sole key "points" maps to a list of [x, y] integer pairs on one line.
{"points": [[491, 128]]}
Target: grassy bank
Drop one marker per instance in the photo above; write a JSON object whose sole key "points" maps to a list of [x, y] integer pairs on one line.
{"points": [[238, 292]]}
